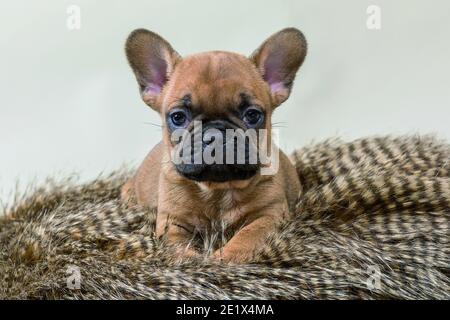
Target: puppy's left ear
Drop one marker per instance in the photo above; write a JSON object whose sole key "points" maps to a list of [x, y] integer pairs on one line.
{"points": [[278, 60], [153, 60]]}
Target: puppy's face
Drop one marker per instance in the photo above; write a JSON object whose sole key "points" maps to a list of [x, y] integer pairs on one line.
{"points": [[216, 106]]}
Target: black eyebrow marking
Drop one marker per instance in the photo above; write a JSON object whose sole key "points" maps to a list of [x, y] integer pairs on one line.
{"points": [[245, 101], [186, 100]]}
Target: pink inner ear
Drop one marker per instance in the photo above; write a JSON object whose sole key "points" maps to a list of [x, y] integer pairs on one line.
{"points": [[157, 79], [153, 88], [273, 72], [276, 86]]}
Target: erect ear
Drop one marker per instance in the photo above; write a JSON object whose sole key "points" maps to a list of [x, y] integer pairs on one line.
{"points": [[152, 60], [278, 60]]}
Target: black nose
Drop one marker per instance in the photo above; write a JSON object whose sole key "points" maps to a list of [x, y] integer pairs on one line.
{"points": [[213, 130]]}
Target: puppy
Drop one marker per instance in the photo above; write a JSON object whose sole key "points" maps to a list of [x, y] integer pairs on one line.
{"points": [[215, 92]]}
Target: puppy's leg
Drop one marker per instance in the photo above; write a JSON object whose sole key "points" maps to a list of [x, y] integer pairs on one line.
{"points": [[178, 236], [242, 245], [127, 191]]}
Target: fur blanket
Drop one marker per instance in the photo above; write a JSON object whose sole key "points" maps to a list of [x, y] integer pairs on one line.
{"points": [[372, 221]]}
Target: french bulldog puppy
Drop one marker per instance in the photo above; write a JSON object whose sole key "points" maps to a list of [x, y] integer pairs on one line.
{"points": [[216, 92]]}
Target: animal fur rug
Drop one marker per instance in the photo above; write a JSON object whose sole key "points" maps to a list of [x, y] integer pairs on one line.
{"points": [[372, 221]]}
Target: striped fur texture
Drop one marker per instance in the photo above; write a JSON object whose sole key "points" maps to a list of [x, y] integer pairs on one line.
{"points": [[372, 221]]}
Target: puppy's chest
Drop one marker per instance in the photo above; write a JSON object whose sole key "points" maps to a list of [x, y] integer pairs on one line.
{"points": [[223, 209]]}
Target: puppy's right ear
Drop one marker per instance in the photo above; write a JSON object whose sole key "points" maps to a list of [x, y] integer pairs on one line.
{"points": [[278, 60], [152, 60]]}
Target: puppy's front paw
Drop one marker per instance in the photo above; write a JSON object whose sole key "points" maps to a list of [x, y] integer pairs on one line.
{"points": [[127, 192], [185, 254], [232, 256]]}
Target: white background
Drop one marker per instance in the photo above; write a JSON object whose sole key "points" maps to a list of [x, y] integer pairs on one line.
{"points": [[69, 102]]}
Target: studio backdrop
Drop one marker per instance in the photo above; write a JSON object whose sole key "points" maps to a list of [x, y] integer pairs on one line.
{"points": [[70, 103]]}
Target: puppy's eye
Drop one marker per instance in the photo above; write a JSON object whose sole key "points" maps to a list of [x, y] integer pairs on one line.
{"points": [[178, 118], [253, 117]]}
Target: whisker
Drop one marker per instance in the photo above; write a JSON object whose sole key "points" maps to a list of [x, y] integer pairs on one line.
{"points": [[154, 124]]}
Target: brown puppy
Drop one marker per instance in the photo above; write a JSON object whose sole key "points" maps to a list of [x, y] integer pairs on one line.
{"points": [[221, 91]]}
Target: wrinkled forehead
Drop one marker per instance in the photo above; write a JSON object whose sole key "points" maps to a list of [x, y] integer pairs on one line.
{"points": [[216, 81]]}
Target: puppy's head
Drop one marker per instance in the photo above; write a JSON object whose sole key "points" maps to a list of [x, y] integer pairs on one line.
{"points": [[214, 105]]}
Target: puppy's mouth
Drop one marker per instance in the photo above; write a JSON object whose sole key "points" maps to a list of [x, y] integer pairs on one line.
{"points": [[211, 153], [217, 172]]}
